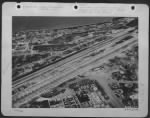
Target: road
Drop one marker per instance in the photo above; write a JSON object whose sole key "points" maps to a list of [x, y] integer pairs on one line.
{"points": [[66, 75], [63, 62]]}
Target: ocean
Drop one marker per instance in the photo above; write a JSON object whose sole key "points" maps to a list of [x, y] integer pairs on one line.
{"points": [[20, 23]]}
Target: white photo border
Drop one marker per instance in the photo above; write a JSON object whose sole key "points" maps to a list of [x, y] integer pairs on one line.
{"points": [[67, 9]]}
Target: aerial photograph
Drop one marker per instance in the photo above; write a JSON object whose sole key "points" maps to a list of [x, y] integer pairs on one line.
{"points": [[74, 62]]}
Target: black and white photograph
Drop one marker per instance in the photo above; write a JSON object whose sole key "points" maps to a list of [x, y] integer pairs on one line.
{"points": [[75, 62], [84, 61]]}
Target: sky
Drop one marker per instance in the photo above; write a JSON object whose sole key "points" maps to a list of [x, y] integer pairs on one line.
{"points": [[35, 22]]}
